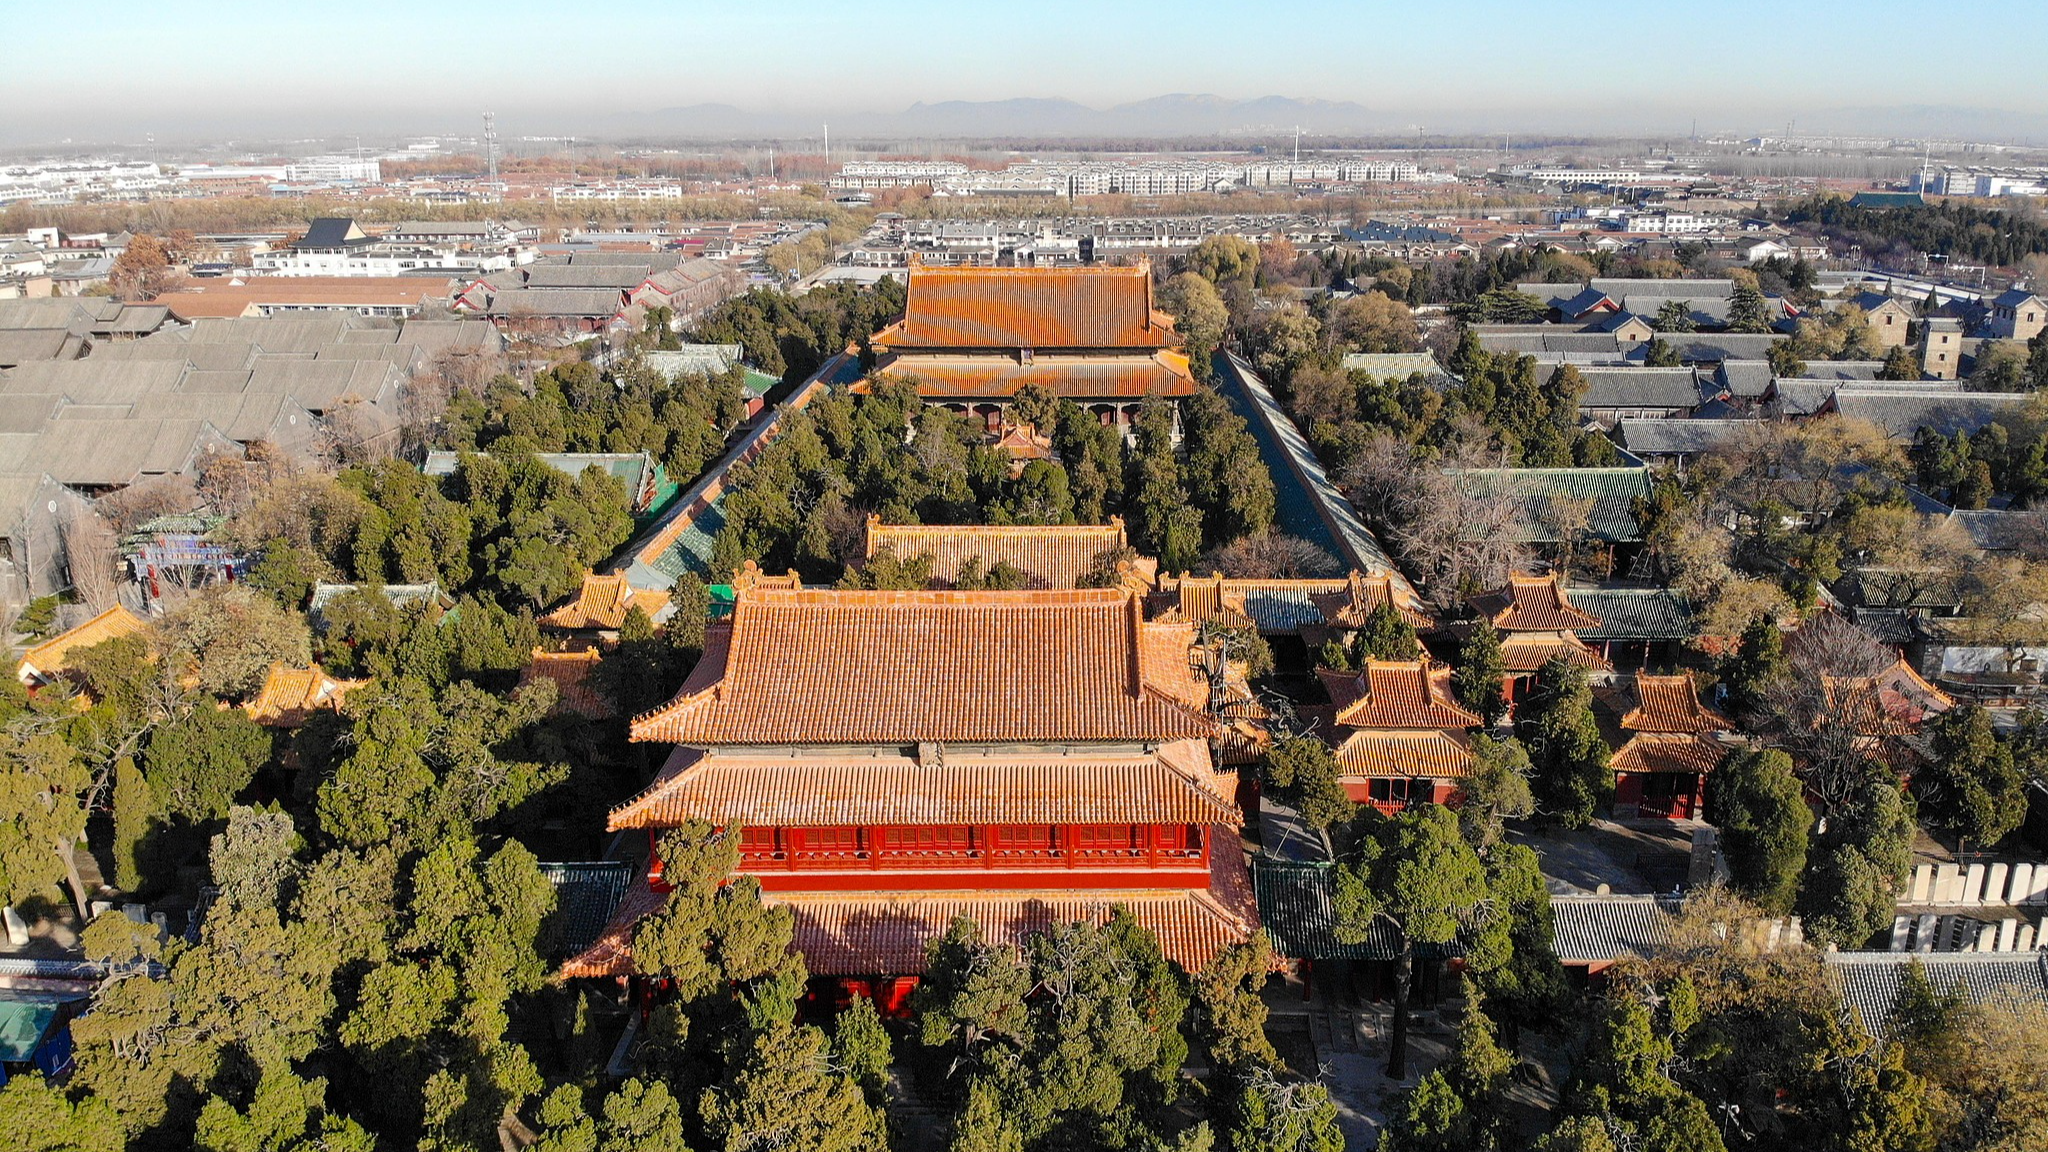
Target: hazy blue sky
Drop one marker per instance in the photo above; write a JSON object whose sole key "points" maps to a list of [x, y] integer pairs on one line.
{"points": [[127, 66]]}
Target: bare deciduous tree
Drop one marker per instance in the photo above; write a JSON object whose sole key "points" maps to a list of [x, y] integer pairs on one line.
{"points": [[1272, 556], [1451, 533], [90, 551], [1828, 711], [146, 499]]}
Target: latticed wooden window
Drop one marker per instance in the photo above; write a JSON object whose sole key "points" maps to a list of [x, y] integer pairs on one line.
{"points": [[829, 839], [1024, 837]]}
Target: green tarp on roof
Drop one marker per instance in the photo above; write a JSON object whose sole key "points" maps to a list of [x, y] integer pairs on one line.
{"points": [[23, 1024]]}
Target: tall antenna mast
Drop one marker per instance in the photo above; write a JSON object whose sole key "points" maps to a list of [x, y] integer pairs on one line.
{"points": [[491, 147], [1297, 143]]}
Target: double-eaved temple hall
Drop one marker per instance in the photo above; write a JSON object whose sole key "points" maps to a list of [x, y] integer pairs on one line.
{"points": [[897, 759], [971, 337]]}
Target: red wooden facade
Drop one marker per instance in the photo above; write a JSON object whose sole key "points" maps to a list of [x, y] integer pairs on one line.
{"points": [[935, 856], [1394, 794], [1657, 795]]}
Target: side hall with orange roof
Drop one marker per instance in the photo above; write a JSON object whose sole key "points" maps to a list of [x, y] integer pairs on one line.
{"points": [[894, 759], [1399, 734], [1537, 621], [602, 604], [290, 695], [50, 659], [570, 671], [971, 337], [1673, 741], [1047, 555]]}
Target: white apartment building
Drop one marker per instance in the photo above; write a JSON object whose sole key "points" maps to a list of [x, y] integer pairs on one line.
{"points": [[1579, 175], [333, 169], [621, 193]]}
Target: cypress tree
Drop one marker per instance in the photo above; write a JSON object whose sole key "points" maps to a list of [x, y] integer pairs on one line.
{"points": [[1482, 673], [133, 805]]}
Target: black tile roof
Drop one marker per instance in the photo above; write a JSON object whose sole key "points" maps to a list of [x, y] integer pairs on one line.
{"points": [[1869, 982], [1596, 929], [1635, 613], [1297, 906], [586, 895]]}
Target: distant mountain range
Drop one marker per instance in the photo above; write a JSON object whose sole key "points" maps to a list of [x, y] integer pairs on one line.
{"points": [[1175, 115]]}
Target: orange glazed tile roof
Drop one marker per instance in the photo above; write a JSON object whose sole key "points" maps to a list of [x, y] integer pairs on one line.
{"points": [[602, 604], [1369, 752], [290, 695], [51, 657], [1892, 702], [1348, 609], [1397, 694], [1684, 752], [1176, 786], [1529, 651], [834, 667], [1204, 600], [1029, 308], [1533, 604], [571, 673], [1022, 442], [1671, 704], [1050, 556], [884, 933], [1075, 378]]}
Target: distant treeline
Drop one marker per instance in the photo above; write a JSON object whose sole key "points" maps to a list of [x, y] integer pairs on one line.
{"points": [[1951, 229]]}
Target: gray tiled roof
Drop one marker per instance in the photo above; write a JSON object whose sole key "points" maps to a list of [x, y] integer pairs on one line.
{"points": [[586, 895], [1280, 610], [1640, 388], [579, 275], [22, 345], [1869, 982], [1393, 365], [1996, 530], [1635, 613], [1592, 929], [1676, 437], [93, 381], [1720, 347], [1904, 413], [1297, 906], [1744, 379], [1612, 491], [1853, 370], [1801, 397], [548, 302], [1620, 286], [1548, 339]]}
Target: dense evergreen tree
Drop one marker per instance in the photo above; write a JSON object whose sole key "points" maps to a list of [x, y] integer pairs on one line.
{"points": [[1571, 779], [1413, 874], [1757, 802], [1970, 786], [1481, 676]]}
